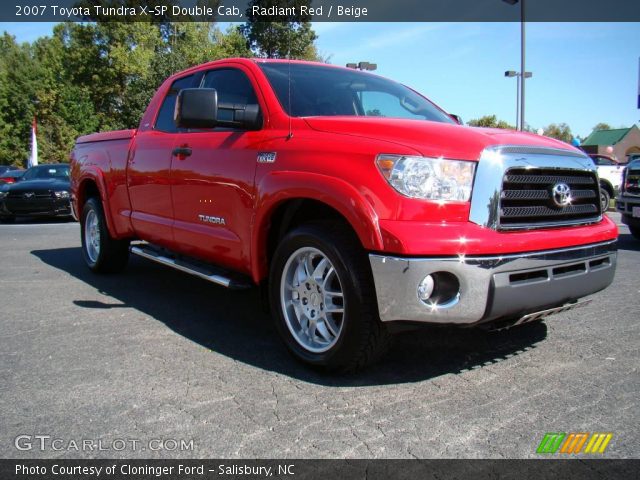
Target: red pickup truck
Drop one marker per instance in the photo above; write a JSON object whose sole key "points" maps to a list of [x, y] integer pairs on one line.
{"points": [[355, 202]]}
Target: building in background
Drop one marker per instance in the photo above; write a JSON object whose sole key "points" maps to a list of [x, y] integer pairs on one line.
{"points": [[619, 143]]}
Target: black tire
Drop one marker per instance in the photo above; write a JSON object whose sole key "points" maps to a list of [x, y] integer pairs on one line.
{"points": [[363, 338], [113, 254], [7, 219], [605, 199], [635, 231]]}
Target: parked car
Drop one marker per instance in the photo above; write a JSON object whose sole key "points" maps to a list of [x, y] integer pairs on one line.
{"points": [[355, 202], [628, 202], [610, 175], [43, 191]]}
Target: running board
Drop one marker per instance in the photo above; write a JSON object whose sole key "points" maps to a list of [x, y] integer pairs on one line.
{"points": [[206, 272]]}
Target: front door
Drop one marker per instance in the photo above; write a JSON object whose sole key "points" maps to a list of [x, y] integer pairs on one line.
{"points": [[212, 186]]}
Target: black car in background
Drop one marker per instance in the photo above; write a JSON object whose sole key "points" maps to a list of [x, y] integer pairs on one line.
{"points": [[43, 191]]}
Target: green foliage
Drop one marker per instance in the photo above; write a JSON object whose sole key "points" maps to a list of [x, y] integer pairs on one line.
{"points": [[270, 37], [559, 131], [89, 77], [490, 121]]}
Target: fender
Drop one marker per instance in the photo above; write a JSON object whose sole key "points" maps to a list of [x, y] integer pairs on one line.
{"points": [[278, 187], [95, 175]]}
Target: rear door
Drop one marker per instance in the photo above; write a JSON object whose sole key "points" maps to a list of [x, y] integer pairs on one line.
{"points": [[149, 171], [213, 187]]}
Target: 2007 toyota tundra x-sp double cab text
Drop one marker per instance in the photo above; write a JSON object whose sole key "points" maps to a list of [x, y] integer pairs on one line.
{"points": [[353, 200]]}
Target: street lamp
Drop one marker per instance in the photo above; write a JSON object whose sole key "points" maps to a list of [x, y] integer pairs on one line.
{"points": [[513, 73], [523, 73], [362, 66]]}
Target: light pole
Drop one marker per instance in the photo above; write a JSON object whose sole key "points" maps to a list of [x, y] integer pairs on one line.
{"points": [[362, 66], [523, 73], [513, 73]]}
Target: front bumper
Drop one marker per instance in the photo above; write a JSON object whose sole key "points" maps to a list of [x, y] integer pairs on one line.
{"points": [[38, 207], [492, 288], [624, 205]]}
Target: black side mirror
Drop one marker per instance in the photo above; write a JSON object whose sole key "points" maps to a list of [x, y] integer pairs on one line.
{"points": [[199, 108], [457, 118], [196, 108]]}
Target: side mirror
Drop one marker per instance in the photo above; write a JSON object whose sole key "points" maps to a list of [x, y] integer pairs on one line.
{"points": [[196, 108], [199, 108], [457, 118]]}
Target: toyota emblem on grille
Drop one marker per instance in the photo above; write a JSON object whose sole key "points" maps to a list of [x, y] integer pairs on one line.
{"points": [[561, 194]]}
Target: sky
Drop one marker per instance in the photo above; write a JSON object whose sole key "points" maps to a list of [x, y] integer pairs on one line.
{"points": [[583, 73]]}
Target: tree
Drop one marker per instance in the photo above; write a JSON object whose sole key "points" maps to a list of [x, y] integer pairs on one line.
{"points": [[271, 37], [560, 131], [602, 126], [490, 121], [97, 76]]}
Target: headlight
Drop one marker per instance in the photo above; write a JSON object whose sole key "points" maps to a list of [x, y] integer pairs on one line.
{"points": [[428, 178], [3, 194], [62, 194]]}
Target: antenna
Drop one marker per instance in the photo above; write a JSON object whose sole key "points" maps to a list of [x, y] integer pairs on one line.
{"points": [[290, 134]]}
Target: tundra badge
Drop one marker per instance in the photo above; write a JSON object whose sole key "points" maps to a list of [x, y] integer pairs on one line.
{"points": [[214, 220]]}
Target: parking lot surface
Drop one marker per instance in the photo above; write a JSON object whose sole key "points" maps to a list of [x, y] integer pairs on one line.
{"points": [[157, 356]]}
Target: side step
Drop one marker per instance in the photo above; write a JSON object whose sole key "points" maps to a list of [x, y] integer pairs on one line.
{"points": [[205, 271]]}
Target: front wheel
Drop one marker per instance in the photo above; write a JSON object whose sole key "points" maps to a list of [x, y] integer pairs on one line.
{"points": [[102, 253], [323, 298], [635, 231], [605, 199]]}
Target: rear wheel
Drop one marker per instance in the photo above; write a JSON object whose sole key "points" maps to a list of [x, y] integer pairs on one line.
{"points": [[605, 199], [102, 253], [635, 231], [323, 299]]}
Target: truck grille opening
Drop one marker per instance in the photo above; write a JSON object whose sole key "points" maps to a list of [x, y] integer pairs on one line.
{"points": [[527, 198], [632, 185]]}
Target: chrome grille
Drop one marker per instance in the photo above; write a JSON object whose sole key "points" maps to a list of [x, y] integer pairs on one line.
{"points": [[632, 182], [526, 199]]}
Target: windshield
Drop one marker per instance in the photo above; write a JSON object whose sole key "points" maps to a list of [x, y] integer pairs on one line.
{"points": [[329, 91], [47, 171]]}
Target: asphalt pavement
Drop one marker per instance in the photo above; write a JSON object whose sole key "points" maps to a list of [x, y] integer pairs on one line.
{"points": [[169, 365]]}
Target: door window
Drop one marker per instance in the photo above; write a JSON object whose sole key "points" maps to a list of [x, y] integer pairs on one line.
{"points": [[165, 122], [232, 86]]}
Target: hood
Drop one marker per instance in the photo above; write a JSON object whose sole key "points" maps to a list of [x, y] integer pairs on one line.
{"points": [[432, 139], [40, 184]]}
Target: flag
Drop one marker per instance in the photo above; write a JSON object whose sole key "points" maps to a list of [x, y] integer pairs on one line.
{"points": [[33, 159]]}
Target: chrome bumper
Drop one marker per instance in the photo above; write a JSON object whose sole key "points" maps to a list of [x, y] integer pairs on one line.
{"points": [[492, 288]]}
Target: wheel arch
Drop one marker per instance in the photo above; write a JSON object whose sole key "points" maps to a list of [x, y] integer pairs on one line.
{"points": [[299, 198]]}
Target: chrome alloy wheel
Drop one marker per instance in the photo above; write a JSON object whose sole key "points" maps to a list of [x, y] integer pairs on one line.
{"points": [[92, 236], [312, 299]]}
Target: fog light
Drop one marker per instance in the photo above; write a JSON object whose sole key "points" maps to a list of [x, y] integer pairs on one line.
{"points": [[425, 289]]}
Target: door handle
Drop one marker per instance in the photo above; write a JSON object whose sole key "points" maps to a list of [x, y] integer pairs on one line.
{"points": [[181, 152]]}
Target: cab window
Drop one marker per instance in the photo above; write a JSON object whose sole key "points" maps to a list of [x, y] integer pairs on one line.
{"points": [[232, 86], [165, 122]]}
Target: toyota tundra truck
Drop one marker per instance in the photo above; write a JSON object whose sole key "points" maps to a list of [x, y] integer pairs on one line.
{"points": [[354, 202]]}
